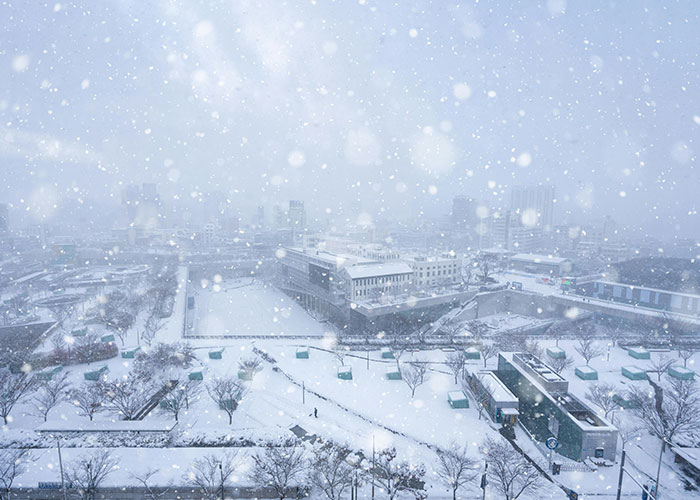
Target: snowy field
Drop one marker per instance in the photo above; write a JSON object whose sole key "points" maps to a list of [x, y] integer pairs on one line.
{"points": [[249, 307], [365, 411]]}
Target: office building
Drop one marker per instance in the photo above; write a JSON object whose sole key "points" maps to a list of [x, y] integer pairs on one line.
{"points": [[430, 271], [537, 198], [463, 215]]}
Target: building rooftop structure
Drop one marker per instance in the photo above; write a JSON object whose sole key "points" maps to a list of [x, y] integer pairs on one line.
{"points": [[371, 270], [498, 389], [556, 389]]}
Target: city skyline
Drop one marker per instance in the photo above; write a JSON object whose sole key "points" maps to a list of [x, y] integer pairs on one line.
{"points": [[611, 121]]}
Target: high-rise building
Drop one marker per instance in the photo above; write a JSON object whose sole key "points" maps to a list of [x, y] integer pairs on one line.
{"points": [[142, 205], [4, 218], [260, 216], [463, 213], [296, 215], [506, 231], [539, 199]]}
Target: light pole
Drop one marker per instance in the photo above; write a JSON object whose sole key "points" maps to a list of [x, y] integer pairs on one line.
{"points": [[373, 464], [60, 467], [221, 470], [484, 481]]}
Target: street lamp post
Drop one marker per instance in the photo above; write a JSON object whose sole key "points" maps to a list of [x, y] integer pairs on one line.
{"points": [[60, 466], [221, 471]]}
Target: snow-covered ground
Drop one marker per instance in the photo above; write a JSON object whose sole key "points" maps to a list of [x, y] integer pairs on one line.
{"points": [[361, 412], [249, 307]]}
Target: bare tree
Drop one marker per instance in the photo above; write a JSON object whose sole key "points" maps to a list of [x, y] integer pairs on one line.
{"points": [[661, 365], [588, 349], [602, 395], [340, 352], [150, 492], [558, 330], [510, 472], [151, 327], [13, 463], [670, 410], [211, 473], [455, 362], [655, 330], [560, 364], [533, 347], [90, 399], [250, 366], [278, 468], [627, 430], [452, 330], [395, 477], [61, 312], [485, 265], [329, 471], [612, 331], [456, 468], [50, 394], [227, 393], [179, 397], [489, 351], [685, 353], [414, 375], [399, 343], [89, 472], [478, 329], [129, 395], [14, 387]]}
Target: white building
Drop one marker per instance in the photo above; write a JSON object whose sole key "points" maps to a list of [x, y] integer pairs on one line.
{"points": [[435, 271], [371, 281]]}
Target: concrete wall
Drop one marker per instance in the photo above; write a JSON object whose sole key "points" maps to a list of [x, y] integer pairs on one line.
{"points": [[516, 302], [134, 493]]}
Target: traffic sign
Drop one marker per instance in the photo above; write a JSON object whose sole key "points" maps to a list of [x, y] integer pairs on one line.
{"points": [[552, 443]]}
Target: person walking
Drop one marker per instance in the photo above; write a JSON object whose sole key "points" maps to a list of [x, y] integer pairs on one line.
{"points": [[315, 412]]}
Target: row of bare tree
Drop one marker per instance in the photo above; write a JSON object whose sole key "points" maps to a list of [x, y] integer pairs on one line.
{"points": [[294, 470]]}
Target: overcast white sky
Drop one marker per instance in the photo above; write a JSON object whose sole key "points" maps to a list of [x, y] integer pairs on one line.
{"points": [[356, 106]]}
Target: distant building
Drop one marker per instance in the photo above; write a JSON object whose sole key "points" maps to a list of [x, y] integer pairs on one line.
{"points": [[540, 264], [547, 409], [505, 230], [296, 215], [142, 205], [653, 298], [4, 218], [537, 198], [373, 251], [463, 215], [260, 216], [429, 271]]}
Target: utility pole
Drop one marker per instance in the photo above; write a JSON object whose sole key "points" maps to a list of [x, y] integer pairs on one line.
{"points": [[658, 469], [60, 467], [622, 471], [303, 393]]}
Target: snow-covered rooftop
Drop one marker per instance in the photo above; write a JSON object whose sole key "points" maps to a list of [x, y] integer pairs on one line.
{"points": [[372, 270], [538, 259]]}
